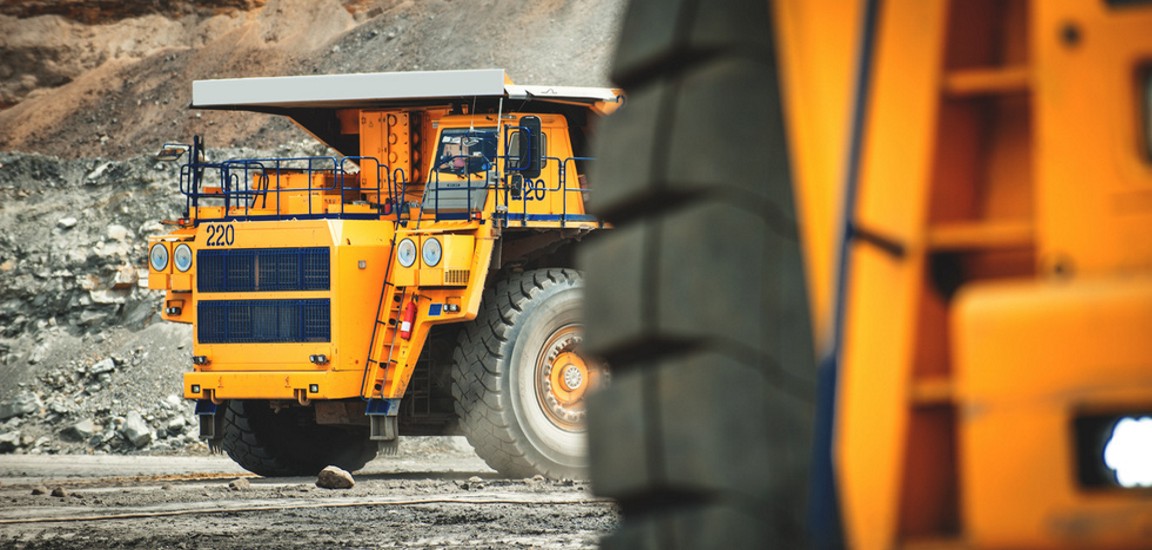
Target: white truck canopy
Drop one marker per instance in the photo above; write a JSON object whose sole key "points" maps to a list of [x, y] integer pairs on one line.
{"points": [[312, 101], [378, 89]]}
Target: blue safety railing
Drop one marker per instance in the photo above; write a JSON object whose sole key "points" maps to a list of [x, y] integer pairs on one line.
{"points": [[261, 188], [513, 192], [516, 199], [455, 199]]}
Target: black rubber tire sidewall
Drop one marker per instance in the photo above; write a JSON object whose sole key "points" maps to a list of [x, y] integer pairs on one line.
{"points": [[519, 312], [557, 307]]}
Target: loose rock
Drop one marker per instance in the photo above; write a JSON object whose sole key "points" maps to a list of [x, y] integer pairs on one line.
{"points": [[117, 232], [332, 477], [9, 442], [176, 425], [126, 278], [102, 366], [39, 490], [59, 492], [99, 171], [80, 431], [474, 483], [240, 484], [173, 401], [135, 430], [25, 402]]}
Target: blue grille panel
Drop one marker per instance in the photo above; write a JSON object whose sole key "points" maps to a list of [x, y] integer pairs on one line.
{"points": [[263, 321], [262, 269]]}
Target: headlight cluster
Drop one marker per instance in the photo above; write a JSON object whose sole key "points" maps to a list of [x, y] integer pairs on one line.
{"points": [[431, 252], [158, 257]]}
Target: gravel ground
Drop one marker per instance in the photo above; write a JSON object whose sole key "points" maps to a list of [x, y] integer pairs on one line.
{"points": [[435, 493]]}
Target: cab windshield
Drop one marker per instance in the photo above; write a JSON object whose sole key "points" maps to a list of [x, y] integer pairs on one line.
{"points": [[466, 151]]}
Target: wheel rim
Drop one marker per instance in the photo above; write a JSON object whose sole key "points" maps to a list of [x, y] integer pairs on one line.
{"points": [[562, 378]]}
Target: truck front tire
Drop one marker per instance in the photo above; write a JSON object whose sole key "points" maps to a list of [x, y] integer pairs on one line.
{"points": [[518, 381], [288, 442]]}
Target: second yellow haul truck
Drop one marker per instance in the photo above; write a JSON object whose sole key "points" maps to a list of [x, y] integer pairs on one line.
{"points": [[419, 282], [880, 276]]}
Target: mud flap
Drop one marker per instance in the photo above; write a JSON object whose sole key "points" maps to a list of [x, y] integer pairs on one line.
{"points": [[211, 423], [382, 416]]}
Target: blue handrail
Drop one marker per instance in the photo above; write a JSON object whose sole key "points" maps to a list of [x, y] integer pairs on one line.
{"points": [[244, 185], [256, 189]]}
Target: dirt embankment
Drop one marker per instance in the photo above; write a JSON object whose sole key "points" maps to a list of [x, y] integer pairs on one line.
{"points": [[121, 86]]}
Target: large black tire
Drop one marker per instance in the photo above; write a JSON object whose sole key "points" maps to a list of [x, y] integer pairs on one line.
{"points": [[529, 325], [289, 442], [697, 299]]}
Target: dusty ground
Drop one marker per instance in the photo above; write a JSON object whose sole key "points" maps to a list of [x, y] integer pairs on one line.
{"points": [[434, 494]]}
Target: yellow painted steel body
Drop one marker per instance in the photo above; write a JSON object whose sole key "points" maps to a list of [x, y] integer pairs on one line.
{"points": [[369, 286], [1000, 269]]}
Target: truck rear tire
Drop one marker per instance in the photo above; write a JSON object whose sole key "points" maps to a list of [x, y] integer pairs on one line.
{"points": [[517, 380], [289, 442], [697, 296]]}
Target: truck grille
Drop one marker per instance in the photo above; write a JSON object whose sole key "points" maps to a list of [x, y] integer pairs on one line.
{"points": [[263, 321], [262, 269], [456, 277]]}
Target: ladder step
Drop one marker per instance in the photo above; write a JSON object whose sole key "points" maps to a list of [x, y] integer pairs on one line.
{"points": [[982, 235], [987, 81]]}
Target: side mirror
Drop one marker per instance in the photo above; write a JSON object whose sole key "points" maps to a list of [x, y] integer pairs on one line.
{"points": [[170, 152], [530, 146]]}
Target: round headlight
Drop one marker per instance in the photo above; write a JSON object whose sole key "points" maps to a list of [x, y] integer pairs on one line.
{"points": [[158, 257], [406, 252], [182, 257], [431, 252]]}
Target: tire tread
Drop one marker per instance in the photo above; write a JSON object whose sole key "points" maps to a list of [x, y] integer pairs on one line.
{"points": [[703, 435], [484, 408]]}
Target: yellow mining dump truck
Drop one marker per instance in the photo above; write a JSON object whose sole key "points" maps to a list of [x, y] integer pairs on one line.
{"points": [[881, 275], [419, 284]]}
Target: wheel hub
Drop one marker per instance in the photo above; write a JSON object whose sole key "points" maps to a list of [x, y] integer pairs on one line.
{"points": [[563, 377], [573, 377]]}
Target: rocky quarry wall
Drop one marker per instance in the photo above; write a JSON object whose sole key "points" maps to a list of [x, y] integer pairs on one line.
{"points": [[86, 362]]}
